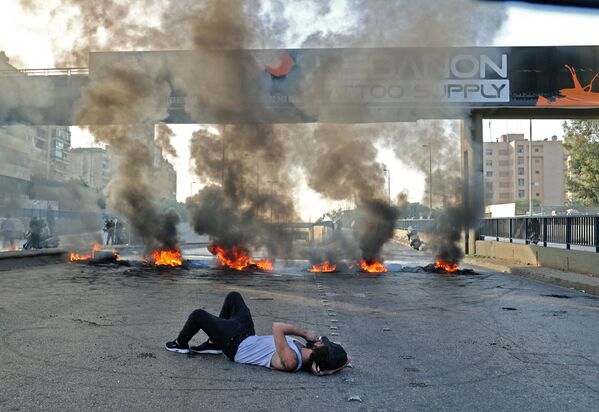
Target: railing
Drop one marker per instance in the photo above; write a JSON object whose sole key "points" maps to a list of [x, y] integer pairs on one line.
{"points": [[549, 231], [421, 225], [66, 71], [544, 230]]}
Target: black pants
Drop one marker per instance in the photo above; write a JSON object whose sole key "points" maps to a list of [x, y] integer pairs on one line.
{"points": [[227, 330]]}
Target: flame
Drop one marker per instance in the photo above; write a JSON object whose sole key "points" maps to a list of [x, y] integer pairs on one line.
{"points": [[74, 257], [12, 248], [373, 266], [237, 257], [446, 266], [323, 267], [167, 257]]}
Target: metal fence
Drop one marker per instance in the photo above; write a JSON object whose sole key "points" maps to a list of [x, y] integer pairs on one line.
{"points": [[565, 231], [59, 71], [421, 225], [544, 230]]}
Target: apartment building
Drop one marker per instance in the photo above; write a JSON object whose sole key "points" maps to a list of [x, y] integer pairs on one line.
{"points": [[90, 165], [506, 170], [50, 153]]}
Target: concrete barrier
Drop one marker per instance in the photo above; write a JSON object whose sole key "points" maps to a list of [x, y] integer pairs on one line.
{"points": [[567, 260], [26, 258], [20, 254]]}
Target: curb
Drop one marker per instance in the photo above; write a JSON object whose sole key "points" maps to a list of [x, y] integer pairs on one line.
{"points": [[20, 254], [583, 283]]}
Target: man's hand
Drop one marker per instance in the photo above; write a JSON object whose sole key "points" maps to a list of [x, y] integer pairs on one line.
{"points": [[310, 336]]}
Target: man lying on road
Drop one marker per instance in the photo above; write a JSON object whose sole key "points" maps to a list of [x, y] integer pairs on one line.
{"points": [[232, 332]]}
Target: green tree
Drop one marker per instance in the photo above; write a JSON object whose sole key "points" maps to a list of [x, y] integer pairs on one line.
{"points": [[581, 139], [523, 204]]}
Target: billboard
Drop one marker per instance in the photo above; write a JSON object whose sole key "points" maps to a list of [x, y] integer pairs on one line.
{"points": [[466, 77]]}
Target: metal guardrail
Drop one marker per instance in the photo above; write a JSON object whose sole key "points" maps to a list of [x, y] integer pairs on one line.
{"points": [[60, 71], [564, 230], [421, 225], [577, 230]]}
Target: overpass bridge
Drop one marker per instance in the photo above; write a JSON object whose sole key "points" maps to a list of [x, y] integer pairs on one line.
{"points": [[330, 85]]}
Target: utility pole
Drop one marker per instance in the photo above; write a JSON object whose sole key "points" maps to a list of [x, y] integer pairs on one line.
{"points": [[430, 178], [222, 171], [530, 169], [388, 184]]}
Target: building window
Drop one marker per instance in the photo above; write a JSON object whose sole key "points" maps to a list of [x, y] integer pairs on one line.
{"points": [[537, 161], [521, 171], [520, 182], [504, 152], [520, 149], [489, 186], [536, 184], [489, 152], [520, 194], [520, 160], [536, 150], [489, 163], [489, 174], [537, 172], [504, 196], [537, 194]]}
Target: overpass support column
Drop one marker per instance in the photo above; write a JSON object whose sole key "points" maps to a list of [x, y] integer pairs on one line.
{"points": [[472, 173]]}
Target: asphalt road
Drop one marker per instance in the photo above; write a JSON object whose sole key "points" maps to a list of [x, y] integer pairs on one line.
{"points": [[77, 337]]}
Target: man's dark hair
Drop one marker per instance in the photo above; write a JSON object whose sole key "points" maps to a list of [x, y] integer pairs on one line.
{"points": [[319, 355]]}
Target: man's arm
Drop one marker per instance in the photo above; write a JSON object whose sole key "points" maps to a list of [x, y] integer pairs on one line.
{"points": [[295, 331], [285, 358]]}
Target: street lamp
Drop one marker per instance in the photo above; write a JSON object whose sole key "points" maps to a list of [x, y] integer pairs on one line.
{"points": [[223, 159], [271, 182], [257, 172], [388, 183], [430, 178]]}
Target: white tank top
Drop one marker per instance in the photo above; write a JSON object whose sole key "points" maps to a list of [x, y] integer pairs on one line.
{"points": [[259, 350]]}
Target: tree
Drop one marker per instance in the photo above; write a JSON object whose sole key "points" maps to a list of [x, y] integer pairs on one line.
{"points": [[581, 140], [410, 210], [523, 204]]}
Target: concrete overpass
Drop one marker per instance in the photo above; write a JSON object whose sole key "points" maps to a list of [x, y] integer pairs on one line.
{"points": [[343, 85], [334, 85]]}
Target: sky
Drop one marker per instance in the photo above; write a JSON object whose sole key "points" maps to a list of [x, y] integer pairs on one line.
{"points": [[527, 25]]}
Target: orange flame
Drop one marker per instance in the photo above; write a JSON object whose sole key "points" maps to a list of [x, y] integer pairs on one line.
{"points": [[12, 248], [73, 256], [76, 256], [167, 257], [373, 266], [446, 266], [323, 267], [238, 258]]}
